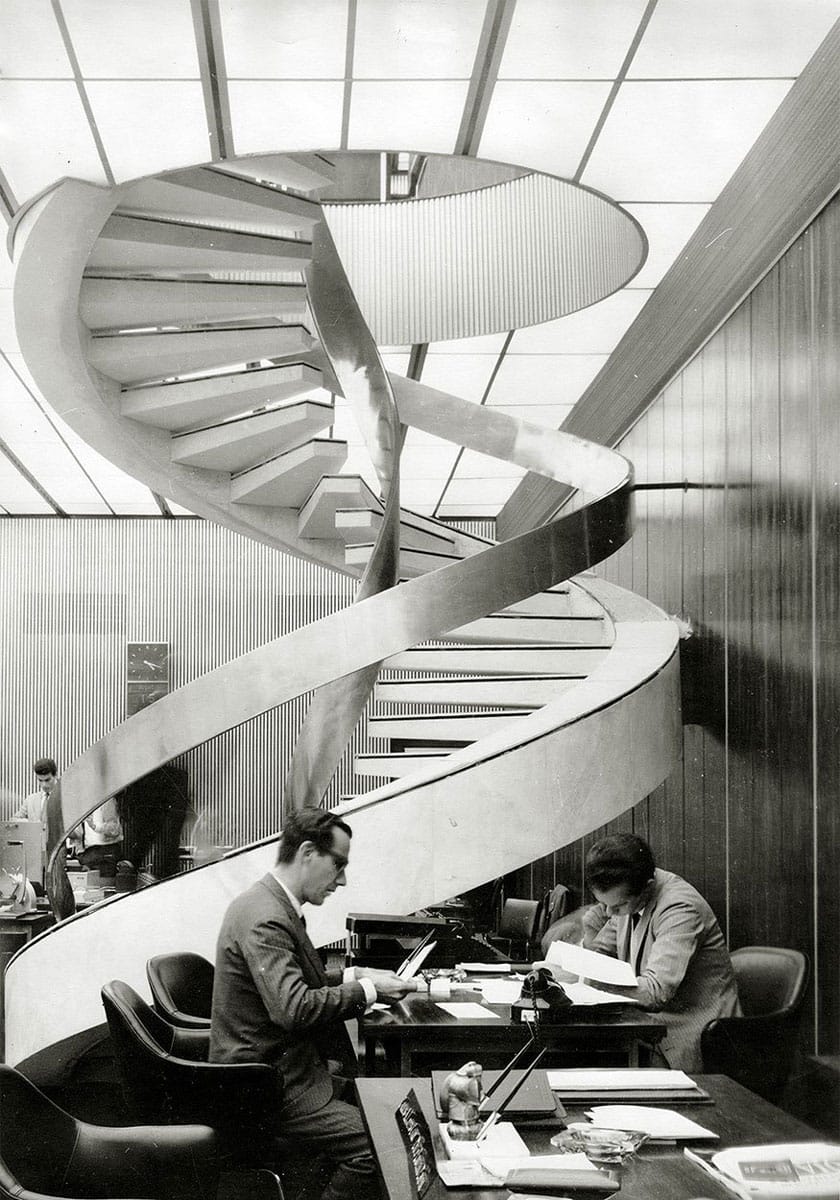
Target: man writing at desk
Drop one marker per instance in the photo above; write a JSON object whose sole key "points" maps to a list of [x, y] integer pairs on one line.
{"points": [[274, 1003], [664, 928]]}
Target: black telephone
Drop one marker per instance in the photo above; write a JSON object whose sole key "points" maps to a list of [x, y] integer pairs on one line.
{"points": [[541, 996]]}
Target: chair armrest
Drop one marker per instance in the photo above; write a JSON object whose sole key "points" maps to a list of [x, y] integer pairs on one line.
{"points": [[182, 1020], [163, 1162], [191, 1044]]}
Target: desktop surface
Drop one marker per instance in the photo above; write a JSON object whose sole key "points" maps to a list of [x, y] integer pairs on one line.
{"points": [[418, 1025], [658, 1172]]}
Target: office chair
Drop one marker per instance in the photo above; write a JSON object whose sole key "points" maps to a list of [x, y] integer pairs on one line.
{"points": [[163, 1072], [45, 1153], [182, 988], [518, 926], [758, 1049]]}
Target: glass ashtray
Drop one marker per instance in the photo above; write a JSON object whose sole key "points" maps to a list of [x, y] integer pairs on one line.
{"points": [[599, 1145]]}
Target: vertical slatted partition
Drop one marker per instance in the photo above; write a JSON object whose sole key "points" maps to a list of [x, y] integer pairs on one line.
{"points": [[73, 593]]}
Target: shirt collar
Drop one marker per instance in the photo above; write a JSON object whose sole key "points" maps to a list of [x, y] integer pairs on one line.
{"points": [[293, 900]]}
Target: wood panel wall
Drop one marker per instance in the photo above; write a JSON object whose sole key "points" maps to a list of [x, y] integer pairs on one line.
{"points": [[749, 554]]}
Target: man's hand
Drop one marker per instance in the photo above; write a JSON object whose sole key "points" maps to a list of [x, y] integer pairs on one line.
{"points": [[390, 988]]}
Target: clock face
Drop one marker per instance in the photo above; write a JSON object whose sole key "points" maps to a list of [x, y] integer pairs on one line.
{"points": [[148, 662]]}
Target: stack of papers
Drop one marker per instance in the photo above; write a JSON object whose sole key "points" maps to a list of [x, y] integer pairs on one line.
{"points": [[603, 1079], [660, 1124]]}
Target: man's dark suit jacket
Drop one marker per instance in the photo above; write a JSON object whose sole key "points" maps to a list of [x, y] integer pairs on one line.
{"points": [[274, 1003]]}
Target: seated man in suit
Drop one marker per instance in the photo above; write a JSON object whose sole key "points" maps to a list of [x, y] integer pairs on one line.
{"points": [[274, 1003], [660, 924]]}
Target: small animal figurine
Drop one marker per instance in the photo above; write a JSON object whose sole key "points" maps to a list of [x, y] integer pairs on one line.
{"points": [[460, 1095]]}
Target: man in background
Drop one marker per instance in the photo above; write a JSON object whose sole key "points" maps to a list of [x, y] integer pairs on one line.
{"points": [[34, 806], [273, 1002], [663, 927]]}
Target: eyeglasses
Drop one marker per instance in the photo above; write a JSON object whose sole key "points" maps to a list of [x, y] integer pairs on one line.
{"points": [[340, 863]]}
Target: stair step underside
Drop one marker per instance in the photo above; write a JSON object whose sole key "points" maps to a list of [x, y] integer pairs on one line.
{"points": [[143, 244], [134, 357], [440, 727], [575, 661], [572, 603], [108, 303], [288, 479], [394, 766], [236, 445], [412, 562], [302, 172], [317, 515], [205, 195], [356, 525], [585, 631], [190, 403], [503, 691]]}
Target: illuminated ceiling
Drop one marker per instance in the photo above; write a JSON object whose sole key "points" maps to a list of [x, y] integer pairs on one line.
{"points": [[652, 102]]}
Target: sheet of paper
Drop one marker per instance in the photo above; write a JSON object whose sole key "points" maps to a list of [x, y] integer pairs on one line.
{"points": [[603, 1079], [656, 1122], [500, 991], [478, 968], [583, 993], [464, 1010], [466, 1173], [590, 965]]}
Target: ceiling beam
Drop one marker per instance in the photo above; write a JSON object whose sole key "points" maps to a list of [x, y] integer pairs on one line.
{"points": [[214, 83], [30, 479], [787, 177], [82, 90], [491, 45]]}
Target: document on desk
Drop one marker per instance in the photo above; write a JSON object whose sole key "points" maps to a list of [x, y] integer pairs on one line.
{"points": [[590, 965], [465, 1010], [479, 968], [660, 1124], [500, 991], [583, 993]]}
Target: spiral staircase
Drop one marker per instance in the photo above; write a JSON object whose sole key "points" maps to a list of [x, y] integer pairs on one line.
{"points": [[174, 323]]}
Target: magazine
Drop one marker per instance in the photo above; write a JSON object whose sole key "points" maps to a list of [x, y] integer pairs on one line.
{"points": [[799, 1170]]}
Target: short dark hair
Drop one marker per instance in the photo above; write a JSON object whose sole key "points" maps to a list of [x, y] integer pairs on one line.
{"points": [[309, 824], [45, 766], [622, 858]]}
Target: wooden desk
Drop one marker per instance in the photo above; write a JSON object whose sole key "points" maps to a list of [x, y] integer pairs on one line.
{"points": [[15, 932], [417, 1025], [657, 1172]]}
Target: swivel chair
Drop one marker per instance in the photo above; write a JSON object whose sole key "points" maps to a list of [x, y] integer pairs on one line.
{"points": [[163, 1071], [46, 1154], [759, 1048], [518, 927], [182, 988]]}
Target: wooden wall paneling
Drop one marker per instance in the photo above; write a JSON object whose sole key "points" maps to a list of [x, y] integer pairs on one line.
{"points": [[691, 609], [771, 911], [657, 819], [741, 716], [826, 533], [710, 656], [794, 668]]}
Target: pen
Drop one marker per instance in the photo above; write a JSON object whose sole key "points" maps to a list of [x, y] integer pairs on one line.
{"points": [[487, 1126]]}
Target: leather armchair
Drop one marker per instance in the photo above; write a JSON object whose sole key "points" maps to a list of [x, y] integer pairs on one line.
{"points": [[759, 1048], [163, 1072], [45, 1153], [518, 926], [182, 988]]}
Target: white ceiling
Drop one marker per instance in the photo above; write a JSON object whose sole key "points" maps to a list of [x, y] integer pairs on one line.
{"points": [[653, 103]]}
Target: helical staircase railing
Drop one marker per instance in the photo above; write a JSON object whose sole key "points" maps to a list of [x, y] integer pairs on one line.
{"points": [[109, 291]]}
